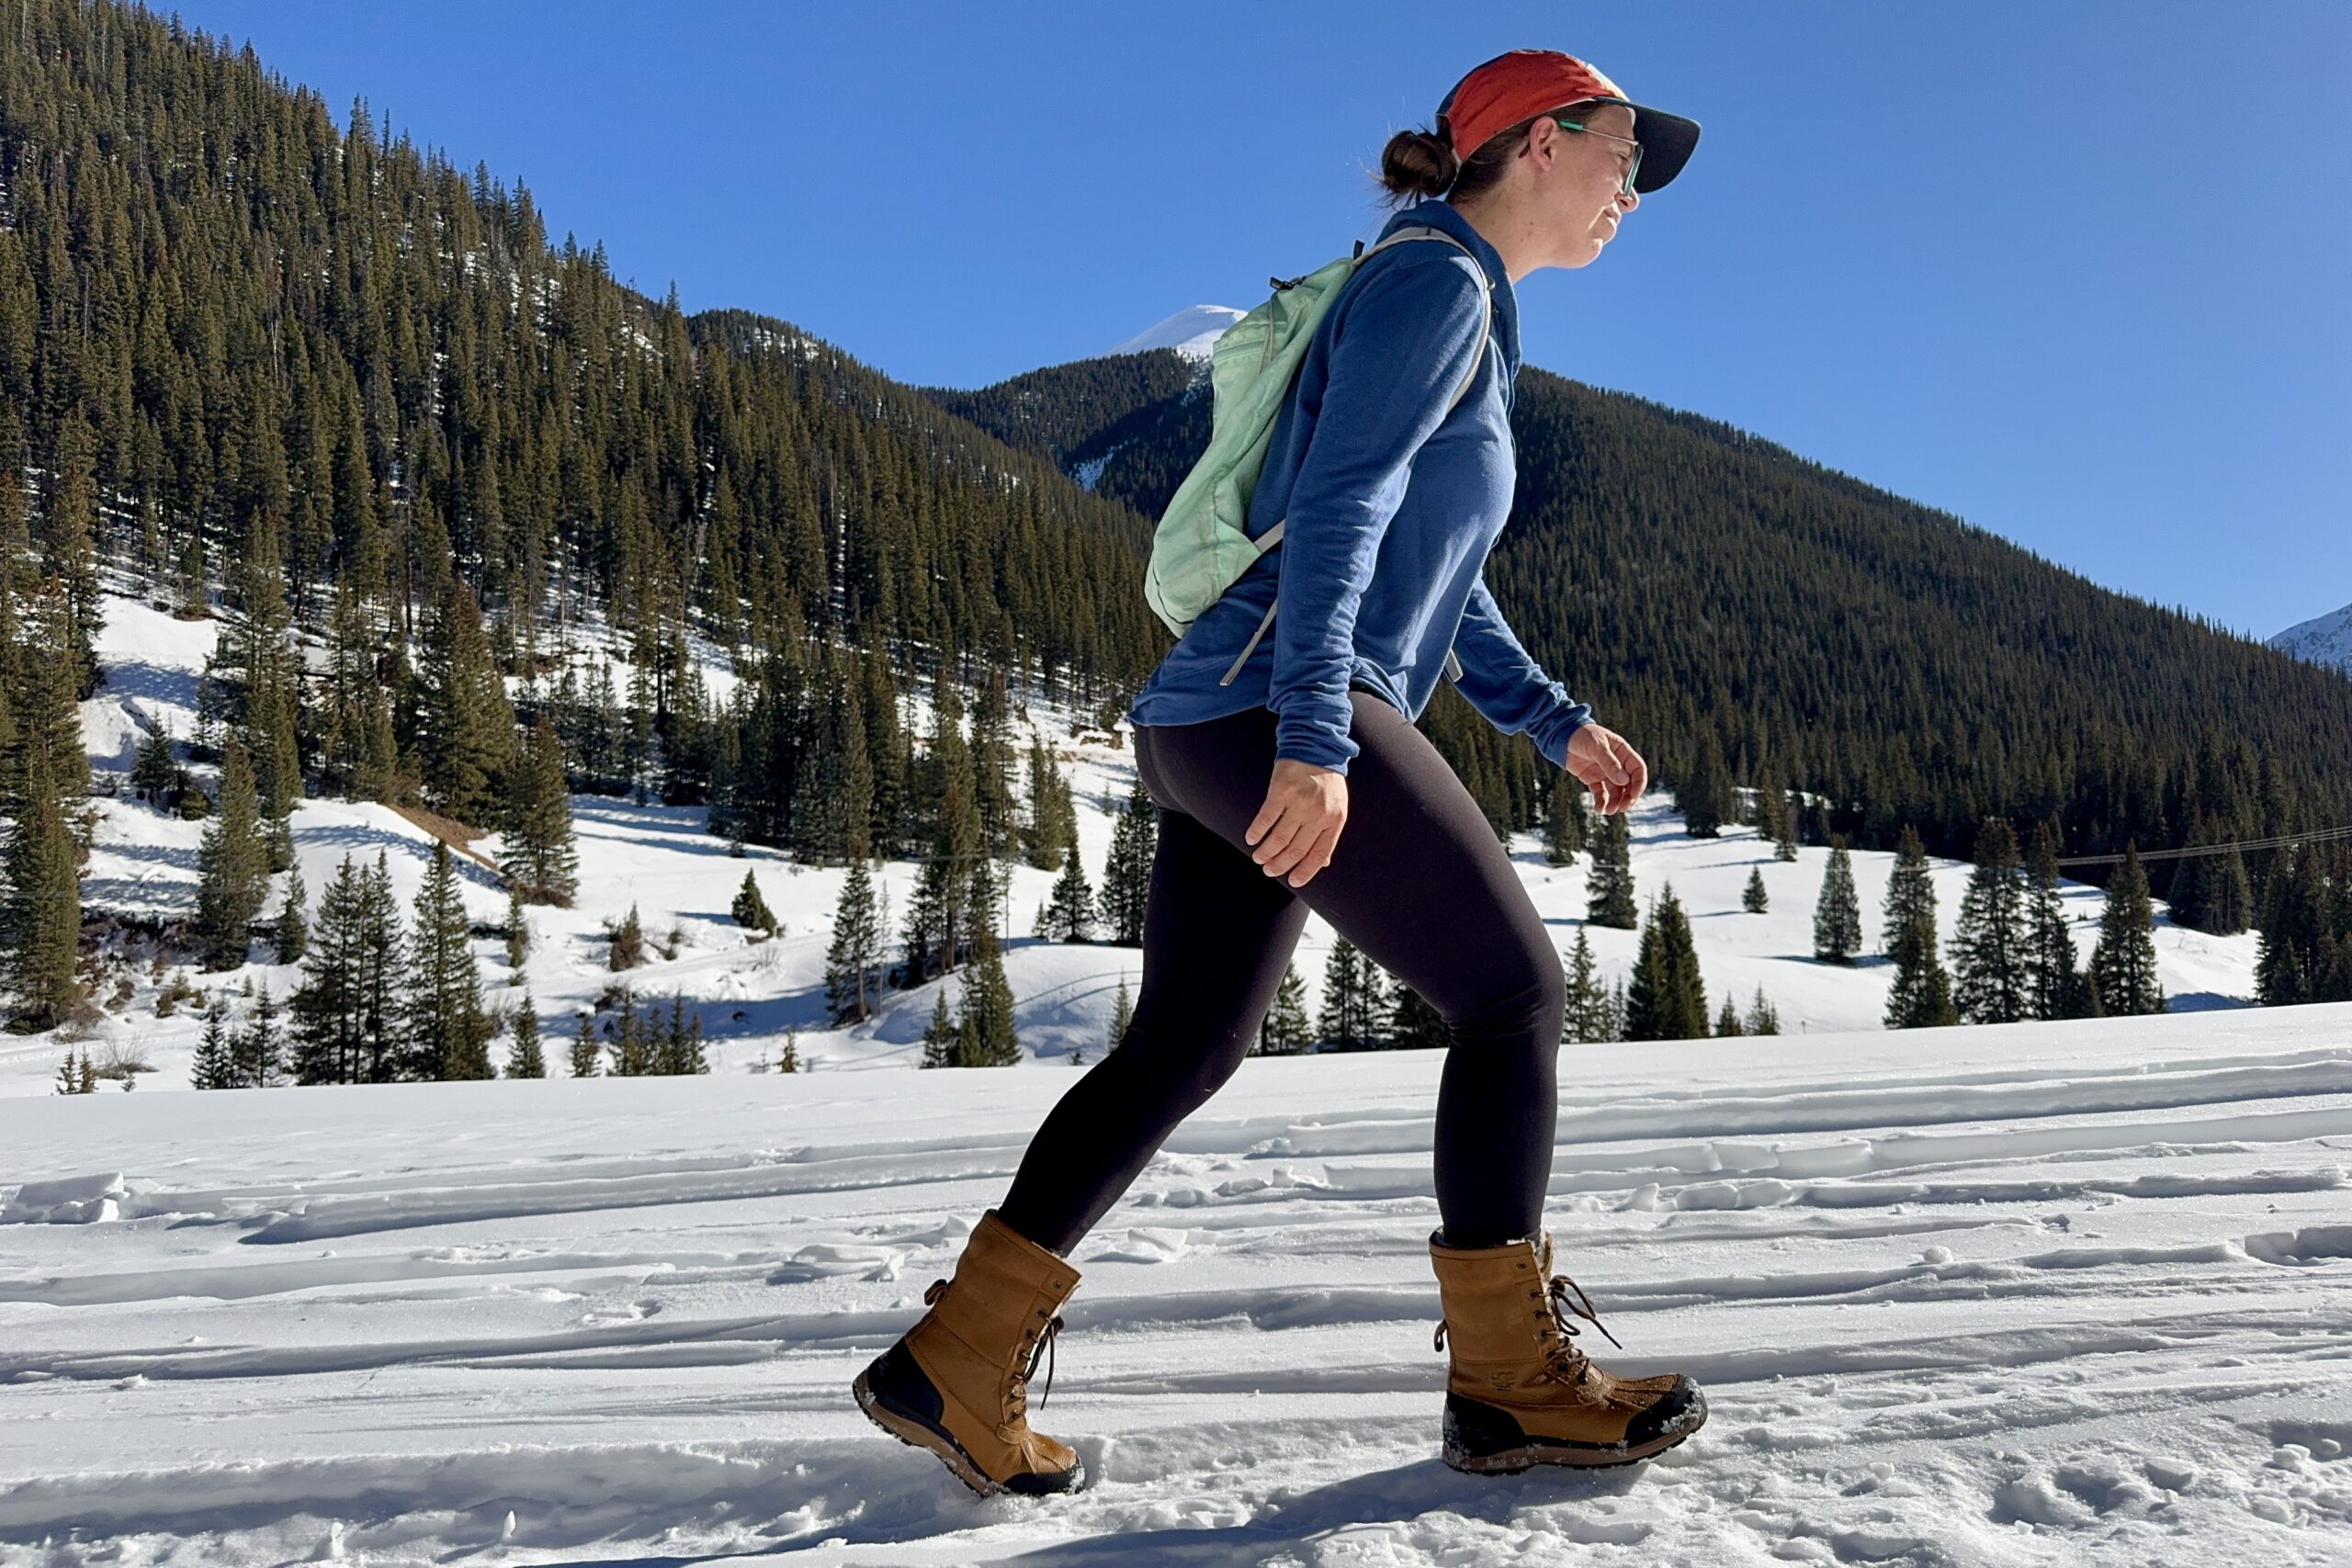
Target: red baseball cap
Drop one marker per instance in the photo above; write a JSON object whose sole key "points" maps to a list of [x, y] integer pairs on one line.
{"points": [[1528, 82]]}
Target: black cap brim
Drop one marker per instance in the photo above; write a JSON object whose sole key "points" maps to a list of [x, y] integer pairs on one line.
{"points": [[1667, 141]]}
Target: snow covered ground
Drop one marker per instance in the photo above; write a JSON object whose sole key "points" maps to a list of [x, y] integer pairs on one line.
{"points": [[2052, 1293]]}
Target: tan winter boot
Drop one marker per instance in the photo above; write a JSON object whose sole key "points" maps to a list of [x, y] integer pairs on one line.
{"points": [[957, 1382], [1518, 1394]]}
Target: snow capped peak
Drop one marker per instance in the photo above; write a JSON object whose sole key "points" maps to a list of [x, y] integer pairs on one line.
{"points": [[2324, 639], [1193, 331]]}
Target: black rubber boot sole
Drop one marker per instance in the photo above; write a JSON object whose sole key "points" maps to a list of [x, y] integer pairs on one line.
{"points": [[1482, 1440], [897, 1397]]}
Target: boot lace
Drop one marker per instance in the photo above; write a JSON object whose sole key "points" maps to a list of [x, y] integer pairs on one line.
{"points": [[1042, 1348], [1561, 1359]]}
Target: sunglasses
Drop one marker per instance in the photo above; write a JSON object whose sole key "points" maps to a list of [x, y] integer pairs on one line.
{"points": [[1631, 168]]}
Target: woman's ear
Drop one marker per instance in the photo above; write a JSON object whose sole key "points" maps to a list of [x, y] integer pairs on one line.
{"points": [[1540, 137]]}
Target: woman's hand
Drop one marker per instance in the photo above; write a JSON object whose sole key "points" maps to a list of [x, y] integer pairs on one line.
{"points": [[1299, 825], [1608, 766]]}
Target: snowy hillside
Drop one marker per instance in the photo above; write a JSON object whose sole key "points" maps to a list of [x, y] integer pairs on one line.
{"points": [[1193, 331], [750, 993], [2059, 1294], [2323, 639]]}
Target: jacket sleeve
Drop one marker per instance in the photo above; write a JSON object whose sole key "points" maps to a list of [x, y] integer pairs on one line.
{"points": [[1403, 348], [1507, 686]]}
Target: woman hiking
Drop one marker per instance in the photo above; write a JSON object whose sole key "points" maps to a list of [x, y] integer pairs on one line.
{"points": [[1290, 779]]}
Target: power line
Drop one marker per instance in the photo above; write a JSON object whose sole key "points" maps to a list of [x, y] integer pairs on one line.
{"points": [[2316, 836]]}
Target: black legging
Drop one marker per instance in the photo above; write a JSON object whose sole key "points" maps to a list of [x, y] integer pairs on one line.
{"points": [[1418, 882]]}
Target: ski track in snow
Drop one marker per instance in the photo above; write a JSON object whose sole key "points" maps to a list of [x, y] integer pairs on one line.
{"points": [[2052, 1293]]}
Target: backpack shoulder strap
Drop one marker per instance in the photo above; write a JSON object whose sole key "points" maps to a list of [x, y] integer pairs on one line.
{"points": [[1274, 535], [1486, 323]]}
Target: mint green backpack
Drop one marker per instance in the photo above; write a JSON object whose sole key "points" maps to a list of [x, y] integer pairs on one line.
{"points": [[1202, 544]]}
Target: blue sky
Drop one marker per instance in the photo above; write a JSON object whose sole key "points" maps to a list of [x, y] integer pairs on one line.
{"points": [[2075, 272]]}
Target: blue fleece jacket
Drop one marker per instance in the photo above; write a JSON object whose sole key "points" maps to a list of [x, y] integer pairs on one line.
{"points": [[1392, 504]]}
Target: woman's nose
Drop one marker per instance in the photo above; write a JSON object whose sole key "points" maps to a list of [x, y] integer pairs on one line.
{"points": [[1627, 201]]}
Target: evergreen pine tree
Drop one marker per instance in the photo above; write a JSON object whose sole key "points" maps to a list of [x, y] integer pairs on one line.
{"points": [[1123, 1013], [382, 970], [1070, 910], [1666, 1000], [1772, 811], [941, 1038], [1590, 1020], [2055, 987], [466, 722], [2299, 953], [1992, 942], [1762, 1018], [1609, 890], [251, 685], [1379, 990], [448, 1036], [960, 841], [1127, 876], [1704, 796], [44, 720], [540, 858], [662, 1057], [1754, 899], [678, 1049], [326, 1010], [1048, 838], [518, 929], [926, 921], [1838, 915], [1563, 821], [523, 1059], [987, 997], [1727, 1020], [1287, 1030], [750, 911], [40, 906], [232, 866], [194, 588], [356, 754], [855, 949], [627, 948], [293, 922], [155, 771], [991, 767], [1922, 995], [634, 1033], [213, 1066], [2226, 905], [1349, 1019], [583, 1049], [261, 1046], [2123, 964], [1784, 848], [68, 559], [69, 1078]]}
